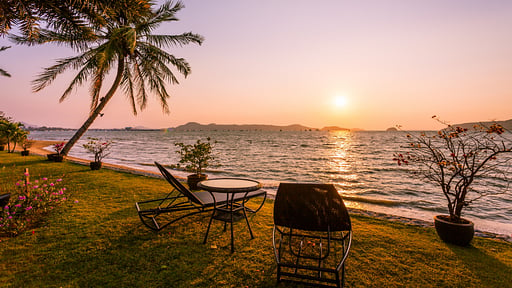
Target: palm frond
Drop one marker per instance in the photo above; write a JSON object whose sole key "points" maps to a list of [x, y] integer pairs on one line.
{"points": [[175, 40], [79, 79], [128, 87], [49, 74], [4, 73], [141, 84]]}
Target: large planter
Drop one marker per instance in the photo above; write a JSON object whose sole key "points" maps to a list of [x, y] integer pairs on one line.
{"points": [[193, 179], [95, 165], [454, 233], [25, 152], [55, 157]]}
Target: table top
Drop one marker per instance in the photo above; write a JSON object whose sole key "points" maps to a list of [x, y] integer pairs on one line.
{"points": [[230, 185]]}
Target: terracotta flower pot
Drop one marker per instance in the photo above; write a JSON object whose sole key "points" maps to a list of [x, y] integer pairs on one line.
{"points": [[55, 157], [95, 165], [193, 179], [454, 233]]}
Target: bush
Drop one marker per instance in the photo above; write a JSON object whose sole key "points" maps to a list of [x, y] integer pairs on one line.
{"points": [[29, 203]]}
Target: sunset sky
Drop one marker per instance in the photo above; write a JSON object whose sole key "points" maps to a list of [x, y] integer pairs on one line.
{"points": [[354, 64]]}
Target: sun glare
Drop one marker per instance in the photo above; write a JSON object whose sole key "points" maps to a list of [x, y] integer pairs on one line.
{"points": [[340, 101]]}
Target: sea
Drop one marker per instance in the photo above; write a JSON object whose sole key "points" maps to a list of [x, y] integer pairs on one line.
{"points": [[360, 164]]}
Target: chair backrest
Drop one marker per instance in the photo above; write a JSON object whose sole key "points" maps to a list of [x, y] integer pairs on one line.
{"points": [[312, 207], [177, 185]]}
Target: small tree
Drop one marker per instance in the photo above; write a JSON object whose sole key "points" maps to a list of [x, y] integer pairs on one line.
{"points": [[455, 158], [12, 133], [100, 148], [196, 156]]}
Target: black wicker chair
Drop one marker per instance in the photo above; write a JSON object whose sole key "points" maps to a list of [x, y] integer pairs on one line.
{"points": [[157, 214], [4, 200], [312, 234]]}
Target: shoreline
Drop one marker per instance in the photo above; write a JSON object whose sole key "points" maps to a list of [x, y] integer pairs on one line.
{"points": [[39, 145]]}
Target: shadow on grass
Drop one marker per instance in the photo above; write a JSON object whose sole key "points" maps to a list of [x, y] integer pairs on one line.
{"points": [[487, 268]]}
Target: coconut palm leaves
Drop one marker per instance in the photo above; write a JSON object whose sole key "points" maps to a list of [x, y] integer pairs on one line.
{"points": [[127, 45], [2, 71]]}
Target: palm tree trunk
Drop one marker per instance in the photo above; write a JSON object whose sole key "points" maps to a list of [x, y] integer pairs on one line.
{"points": [[80, 132]]}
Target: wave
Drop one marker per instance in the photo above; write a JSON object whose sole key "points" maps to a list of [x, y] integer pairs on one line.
{"points": [[383, 202]]}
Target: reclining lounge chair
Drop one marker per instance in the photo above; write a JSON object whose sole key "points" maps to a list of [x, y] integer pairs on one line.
{"points": [[151, 212], [312, 234]]}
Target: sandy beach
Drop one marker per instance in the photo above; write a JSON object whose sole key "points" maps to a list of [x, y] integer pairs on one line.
{"points": [[38, 148]]}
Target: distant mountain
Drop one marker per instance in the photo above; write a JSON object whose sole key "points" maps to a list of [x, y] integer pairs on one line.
{"points": [[334, 128], [507, 124], [193, 126]]}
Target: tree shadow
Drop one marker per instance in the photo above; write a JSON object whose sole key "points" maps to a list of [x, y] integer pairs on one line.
{"points": [[488, 268]]}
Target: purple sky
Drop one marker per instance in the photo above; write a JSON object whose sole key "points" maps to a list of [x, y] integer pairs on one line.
{"points": [[354, 64]]}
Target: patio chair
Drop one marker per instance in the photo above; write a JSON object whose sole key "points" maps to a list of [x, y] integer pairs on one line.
{"points": [[4, 200], [312, 234], [182, 199]]}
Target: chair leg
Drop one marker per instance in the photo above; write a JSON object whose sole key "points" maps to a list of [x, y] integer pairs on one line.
{"points": [[248, 225], [208, 230]]}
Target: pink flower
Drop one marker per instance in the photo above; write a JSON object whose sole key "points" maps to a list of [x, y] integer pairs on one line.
{"points": [[36, 186], [58, 180], [17, 205], [51, 184], [28, 208], [26, 174], [44, 178]]}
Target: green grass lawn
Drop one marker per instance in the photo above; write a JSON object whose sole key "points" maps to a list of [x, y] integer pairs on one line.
{"points": [[96, 240]]}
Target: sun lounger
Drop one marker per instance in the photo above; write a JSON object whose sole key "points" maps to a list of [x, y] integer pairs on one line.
{"points": [[312, 234], [157, 214]]}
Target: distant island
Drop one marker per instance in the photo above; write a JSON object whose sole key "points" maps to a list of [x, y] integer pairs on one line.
{"points": [[193, 126]]}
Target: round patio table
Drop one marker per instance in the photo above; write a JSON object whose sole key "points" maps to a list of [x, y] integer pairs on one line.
{"points": [[233, 209]]}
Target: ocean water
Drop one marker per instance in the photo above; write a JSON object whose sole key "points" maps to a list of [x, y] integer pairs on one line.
{"points": [[358, 163]]}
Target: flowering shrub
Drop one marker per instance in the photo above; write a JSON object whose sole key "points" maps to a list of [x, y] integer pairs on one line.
{"points": [[58, 147], [455, 158], [100, 149], [29, 202]]}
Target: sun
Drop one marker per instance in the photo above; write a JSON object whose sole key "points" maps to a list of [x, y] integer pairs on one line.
{"points": [[340, 101]]}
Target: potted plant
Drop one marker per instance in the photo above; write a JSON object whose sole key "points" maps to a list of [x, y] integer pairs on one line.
{"points": [[458, 160], [195, 157], [56, 157], [100, 149], [3, 141], [26, 144]]}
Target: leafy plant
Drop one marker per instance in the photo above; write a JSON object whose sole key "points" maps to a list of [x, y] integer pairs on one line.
{"points": [[12, 133], [456, 158], [26, 144], [100, 148], [29, 203], [196, 156]]}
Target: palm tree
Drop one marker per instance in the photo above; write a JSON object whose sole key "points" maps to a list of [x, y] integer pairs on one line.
{"points": [[126, 44], [2, 71], [60, 15]]}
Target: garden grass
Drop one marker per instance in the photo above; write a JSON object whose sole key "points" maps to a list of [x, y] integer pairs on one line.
{"points": [[97, 240]]}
